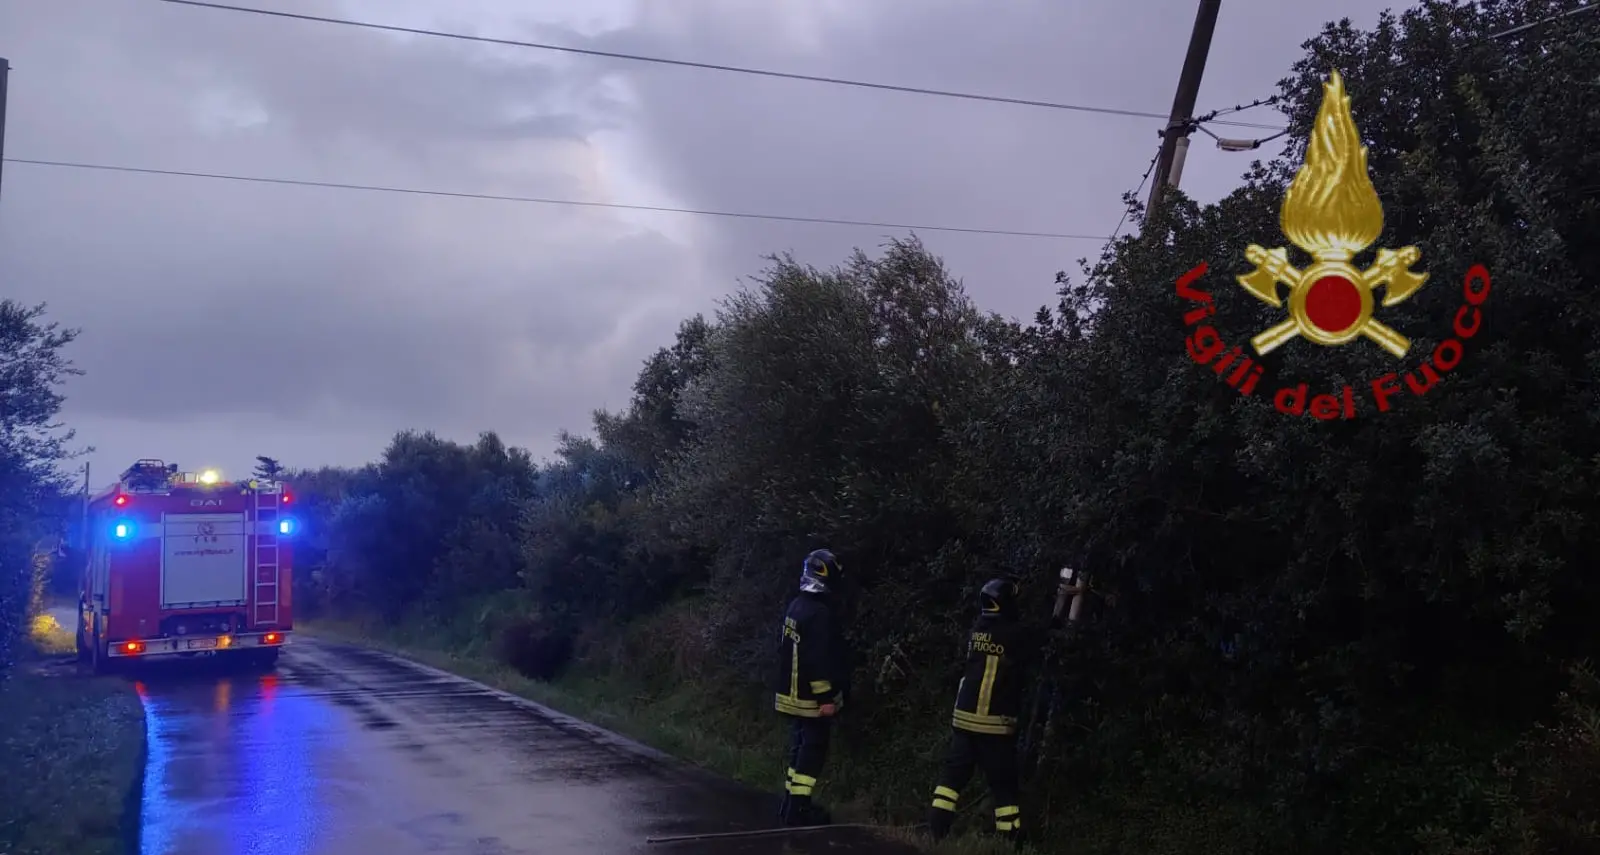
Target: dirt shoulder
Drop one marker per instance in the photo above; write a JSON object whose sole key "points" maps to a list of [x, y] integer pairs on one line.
{"points": [[73, 747]]}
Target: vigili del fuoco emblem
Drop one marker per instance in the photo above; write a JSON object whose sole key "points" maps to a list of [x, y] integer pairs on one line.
{"points": [[1332, 211]]}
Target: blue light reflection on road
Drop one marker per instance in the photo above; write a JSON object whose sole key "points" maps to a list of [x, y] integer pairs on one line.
{"points": [[156, 814], [245, 746], [278, 812]]}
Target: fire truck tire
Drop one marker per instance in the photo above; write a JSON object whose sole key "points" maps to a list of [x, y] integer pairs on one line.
{"points": [[77, 640], [101, 657]]}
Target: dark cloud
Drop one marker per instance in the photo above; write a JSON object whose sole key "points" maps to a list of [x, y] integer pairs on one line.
{"points": [[729, 141], [319, 309], [228, 318]]}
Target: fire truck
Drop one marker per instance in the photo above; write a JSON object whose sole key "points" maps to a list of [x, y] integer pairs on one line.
{"points": [[184, 564]]}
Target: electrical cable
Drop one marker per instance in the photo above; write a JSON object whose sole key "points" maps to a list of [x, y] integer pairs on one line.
{"points": [[1531, 25], [1211, 117], [742, 215], [1126, 208], [1240, 145], [708, 66]]}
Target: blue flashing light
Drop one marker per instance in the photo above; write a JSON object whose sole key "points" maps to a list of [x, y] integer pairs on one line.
{"points": [[122, 530], [286, 526]]}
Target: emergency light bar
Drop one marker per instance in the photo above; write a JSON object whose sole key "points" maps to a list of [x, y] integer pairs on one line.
{"points": [[207, 477]]}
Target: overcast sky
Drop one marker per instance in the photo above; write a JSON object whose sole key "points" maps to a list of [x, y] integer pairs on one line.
{"points": [[223, 320]]}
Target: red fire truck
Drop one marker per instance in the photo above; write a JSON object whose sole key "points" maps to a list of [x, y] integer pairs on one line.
{"points": [[185, 564]]}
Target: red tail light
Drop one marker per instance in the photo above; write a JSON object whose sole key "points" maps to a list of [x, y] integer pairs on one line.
{"points": [[132, 647], [272, 638], [120, 501], [286, 498]]}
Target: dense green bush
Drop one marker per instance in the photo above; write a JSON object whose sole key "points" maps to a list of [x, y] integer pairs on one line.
{"points": [[534, 648], [32, 488]]}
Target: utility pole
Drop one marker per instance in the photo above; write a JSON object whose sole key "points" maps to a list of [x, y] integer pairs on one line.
{"points": [[83, 519], [5, 74], [1175, 138]]}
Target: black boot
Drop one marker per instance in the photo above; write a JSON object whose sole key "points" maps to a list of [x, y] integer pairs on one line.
{"points": [[802, 812], [796, 811]]}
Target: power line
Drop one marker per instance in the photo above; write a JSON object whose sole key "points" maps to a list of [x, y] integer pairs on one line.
{"points": [[708, 66], [1542, 21], [533, 200], [1128, 205]]}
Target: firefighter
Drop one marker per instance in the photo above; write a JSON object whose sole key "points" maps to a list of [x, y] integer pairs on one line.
{"points": [[988, 704], [813, 681]]}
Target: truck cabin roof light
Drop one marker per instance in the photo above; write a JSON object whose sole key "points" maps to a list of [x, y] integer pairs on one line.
{"points": [[210, 476]]}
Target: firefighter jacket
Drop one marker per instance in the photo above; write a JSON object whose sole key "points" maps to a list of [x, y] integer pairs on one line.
{"points": [[989, 699], [813, 662]]}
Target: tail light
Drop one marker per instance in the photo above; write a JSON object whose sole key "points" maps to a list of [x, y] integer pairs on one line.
{"points": [[272, 638], [120, 501], [132, 647]]}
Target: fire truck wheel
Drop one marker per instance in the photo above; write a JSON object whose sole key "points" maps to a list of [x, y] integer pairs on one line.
{"points": [[101, 656], [77, 640]]}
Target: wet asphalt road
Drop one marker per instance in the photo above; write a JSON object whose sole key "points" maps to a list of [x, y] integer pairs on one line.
{"points": [[345, 750]]}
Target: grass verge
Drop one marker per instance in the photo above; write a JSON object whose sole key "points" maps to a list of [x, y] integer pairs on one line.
{"points": [[73, 750], [673, 721]]}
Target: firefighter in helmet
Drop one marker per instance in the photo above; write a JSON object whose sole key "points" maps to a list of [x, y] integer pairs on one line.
{"points": [[813, 679], [988, 705]]}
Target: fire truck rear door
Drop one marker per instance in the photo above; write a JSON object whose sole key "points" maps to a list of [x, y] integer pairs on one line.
{"points": [[203, 560]]}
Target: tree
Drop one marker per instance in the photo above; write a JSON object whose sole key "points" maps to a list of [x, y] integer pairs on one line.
{"points": [[267, 468], [1390, 601], [33, 366]]}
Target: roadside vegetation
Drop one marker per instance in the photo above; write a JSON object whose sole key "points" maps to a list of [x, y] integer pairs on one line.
{"points": [[1360, 636], [73, 750], [71, 747]]}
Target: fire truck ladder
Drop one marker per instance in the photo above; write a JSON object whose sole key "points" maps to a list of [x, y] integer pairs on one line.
{"points": [[266, 563]]}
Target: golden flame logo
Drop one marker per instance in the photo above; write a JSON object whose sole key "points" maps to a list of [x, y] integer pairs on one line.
{"points": [[1332, 212]]}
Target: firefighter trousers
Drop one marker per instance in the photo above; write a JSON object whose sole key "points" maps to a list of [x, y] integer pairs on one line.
{"points": [[808, 751], [997, 755]]}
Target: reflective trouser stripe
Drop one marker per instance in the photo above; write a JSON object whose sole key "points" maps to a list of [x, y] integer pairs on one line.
{"points": [[1008, 818], [945, 798], [798, 784]]}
